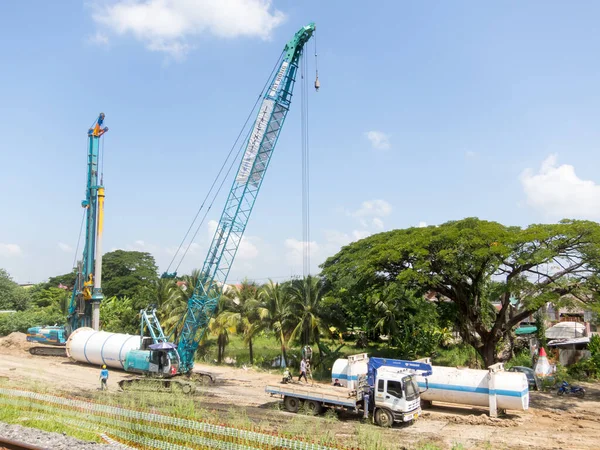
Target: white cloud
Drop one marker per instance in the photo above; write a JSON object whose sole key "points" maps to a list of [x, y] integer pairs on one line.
{"points": [[167, 25], [248, 249], [368, 217], [379, 140], [98, 39], [212, 227], [558, 192], [373, 208], [422, 224], [193, 250], [470, 154], [65, 247], [337, 239], [9, 249], [296, 248], [142, 246], [377, 223]]}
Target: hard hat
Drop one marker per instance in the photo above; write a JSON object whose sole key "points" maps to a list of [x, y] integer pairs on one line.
{"points": [[104, 366]]}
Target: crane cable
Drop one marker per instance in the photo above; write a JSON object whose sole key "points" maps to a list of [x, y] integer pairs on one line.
{"points": [[305, 149], [78, 240], [306, 250], [215, 181]]}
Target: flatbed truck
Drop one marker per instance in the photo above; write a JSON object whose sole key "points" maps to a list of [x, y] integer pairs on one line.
{"points": [[391, 384]]}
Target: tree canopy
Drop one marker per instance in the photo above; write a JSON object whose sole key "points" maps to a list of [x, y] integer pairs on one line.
{"points": [[12, 296], [125, 273], [490, 275]]}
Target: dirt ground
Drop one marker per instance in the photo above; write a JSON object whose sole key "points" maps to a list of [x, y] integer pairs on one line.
{"points": [[550, 423]]}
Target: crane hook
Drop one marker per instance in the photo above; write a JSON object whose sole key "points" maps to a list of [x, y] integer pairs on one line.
{"points": [[317, 84]]}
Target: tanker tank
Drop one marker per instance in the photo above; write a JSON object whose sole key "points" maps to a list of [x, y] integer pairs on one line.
{"points": [[505, 390], [100, 347], [472, 387]]}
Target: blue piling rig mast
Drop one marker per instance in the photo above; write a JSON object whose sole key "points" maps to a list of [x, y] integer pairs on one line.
{"points": [[240, 202], [87, 293]]}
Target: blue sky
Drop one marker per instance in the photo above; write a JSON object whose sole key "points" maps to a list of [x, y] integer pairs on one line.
{"points": [[428, 112]]}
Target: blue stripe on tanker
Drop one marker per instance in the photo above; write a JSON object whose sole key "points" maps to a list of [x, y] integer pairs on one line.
{"points": [[475, 390], [449, 387], [343, 376]]}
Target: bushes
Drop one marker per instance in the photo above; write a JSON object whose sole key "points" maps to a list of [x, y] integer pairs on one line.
{"points": [[588, 367], [523, 358], [460, 355], [21, 320]]}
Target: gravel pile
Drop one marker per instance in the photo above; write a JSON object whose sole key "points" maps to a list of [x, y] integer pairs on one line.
{"points": [[54, 441]]}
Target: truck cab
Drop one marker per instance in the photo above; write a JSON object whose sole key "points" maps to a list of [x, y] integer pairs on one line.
{"points": [[397, 397]]}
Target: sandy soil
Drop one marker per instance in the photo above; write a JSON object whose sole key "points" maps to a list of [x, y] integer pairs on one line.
{"points": [[550, 423]]}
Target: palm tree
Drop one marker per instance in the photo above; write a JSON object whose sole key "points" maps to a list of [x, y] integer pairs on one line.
{"points": [[278, 303], [173, 309], [384, 304], [218, 325], [308, 312], [244, 311], [166, 290]]}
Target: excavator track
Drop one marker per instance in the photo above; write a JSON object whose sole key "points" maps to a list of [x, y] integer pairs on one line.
{"points": [[157, 385], [185, 384], [49, 351]]}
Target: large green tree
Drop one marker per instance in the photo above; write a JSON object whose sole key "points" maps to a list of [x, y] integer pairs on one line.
{"points": [[129, 274], [117, 315], [473, 265], [12, 296]]}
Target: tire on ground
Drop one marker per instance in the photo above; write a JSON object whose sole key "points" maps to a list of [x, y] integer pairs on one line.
{"points": [[383, 417], [292, 404], [313, 407]]}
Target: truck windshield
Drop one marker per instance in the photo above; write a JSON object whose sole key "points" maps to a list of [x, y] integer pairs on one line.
{"points": [[411, 388]]}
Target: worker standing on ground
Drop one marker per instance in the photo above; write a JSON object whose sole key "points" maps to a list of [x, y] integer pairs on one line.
{"points": [[366, 405], [103, 378], [303, 371], [308, 371]]}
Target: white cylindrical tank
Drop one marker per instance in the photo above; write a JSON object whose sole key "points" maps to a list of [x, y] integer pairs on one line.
{"points": [[100, 347], [346, 371], [472, 387]]}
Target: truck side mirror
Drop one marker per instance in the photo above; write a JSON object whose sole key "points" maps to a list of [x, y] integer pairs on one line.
{"points": [[426, 386]]}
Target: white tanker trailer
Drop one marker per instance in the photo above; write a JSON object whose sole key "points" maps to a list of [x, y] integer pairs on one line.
{"points": [[493, 388]]}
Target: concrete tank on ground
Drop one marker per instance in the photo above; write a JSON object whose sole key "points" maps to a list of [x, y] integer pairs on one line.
{"points": [[100, 347], [474, 387]]}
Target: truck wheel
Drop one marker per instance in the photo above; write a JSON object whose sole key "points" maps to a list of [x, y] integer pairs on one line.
{"points": [[292, 404], [384, 418], [313, 408]]}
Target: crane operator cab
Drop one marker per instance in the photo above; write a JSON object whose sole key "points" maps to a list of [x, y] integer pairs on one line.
{"points": [[160, 363]]}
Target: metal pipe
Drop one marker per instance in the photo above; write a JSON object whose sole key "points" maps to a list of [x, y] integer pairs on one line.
{"points": [[97, 295]]}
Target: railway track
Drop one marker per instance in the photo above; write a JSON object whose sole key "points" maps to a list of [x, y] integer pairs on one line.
{"points": [[10, 444]]}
